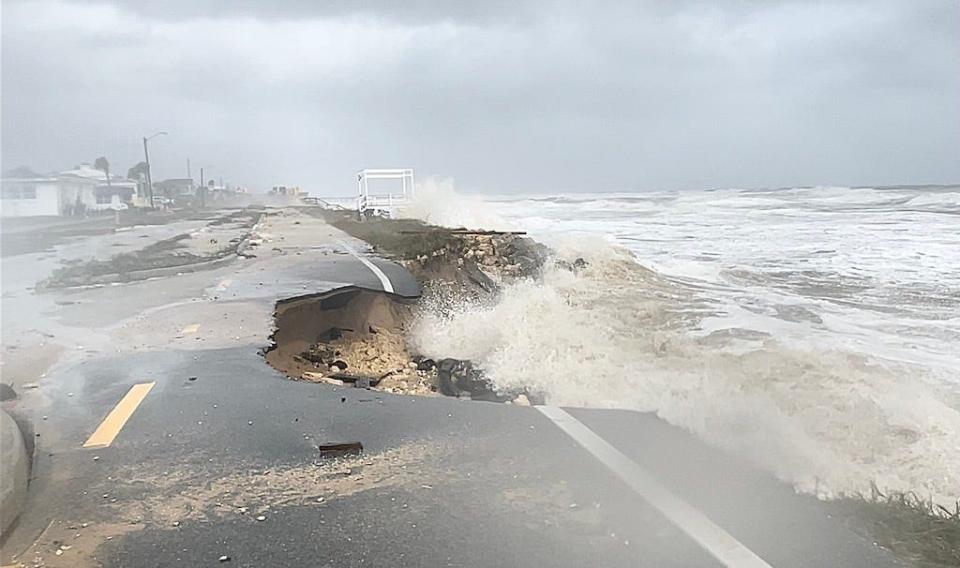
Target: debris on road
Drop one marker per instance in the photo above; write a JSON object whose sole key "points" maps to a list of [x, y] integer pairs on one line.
{"points": [[340, 450], [320, 378]]}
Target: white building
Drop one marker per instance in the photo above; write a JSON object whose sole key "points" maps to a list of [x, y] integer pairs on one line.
{"points": [[29, 197], [73, 192]]}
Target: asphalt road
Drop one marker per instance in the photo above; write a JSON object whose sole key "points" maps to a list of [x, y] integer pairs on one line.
{"points": [[220, 457]]}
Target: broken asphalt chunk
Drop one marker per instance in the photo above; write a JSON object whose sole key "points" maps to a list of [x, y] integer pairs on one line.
{"points": [[338, 450], [358, 380]]}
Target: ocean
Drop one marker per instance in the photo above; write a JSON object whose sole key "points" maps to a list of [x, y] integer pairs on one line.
{"points": [[814, 330]]}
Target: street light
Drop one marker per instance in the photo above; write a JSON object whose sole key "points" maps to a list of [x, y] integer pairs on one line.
{"points": [[146, 157]]}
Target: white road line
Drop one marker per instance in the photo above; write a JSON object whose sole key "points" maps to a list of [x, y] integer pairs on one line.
{"points": [[695, 524], [387, 285]]}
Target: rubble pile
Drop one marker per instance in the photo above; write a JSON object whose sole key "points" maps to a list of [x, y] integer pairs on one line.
{"points": [[502, 256], [377, 358]]}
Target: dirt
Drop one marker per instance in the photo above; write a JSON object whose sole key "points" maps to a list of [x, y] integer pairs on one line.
{"points": [[178, 496], [351, 333]]}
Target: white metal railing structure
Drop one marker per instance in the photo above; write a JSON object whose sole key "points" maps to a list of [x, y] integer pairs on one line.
{"points": [[347, 203], [367, 200]]}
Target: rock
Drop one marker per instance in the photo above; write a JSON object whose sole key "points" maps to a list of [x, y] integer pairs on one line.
{"points": [[478, 277], [522, 400], [460, 378], [261, 517], [224, 558], [320, 378], [575, 266], [527, 253]]}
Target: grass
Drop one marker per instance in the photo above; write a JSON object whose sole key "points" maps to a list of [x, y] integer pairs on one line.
{"points": [[403, 239], [915, 529]]}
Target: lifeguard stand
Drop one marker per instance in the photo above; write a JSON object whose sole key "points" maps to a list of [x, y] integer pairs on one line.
{"points": [[384, 201]]}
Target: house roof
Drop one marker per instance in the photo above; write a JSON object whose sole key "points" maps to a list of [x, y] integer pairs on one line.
{"points": [[28, 179], [86, 171]]}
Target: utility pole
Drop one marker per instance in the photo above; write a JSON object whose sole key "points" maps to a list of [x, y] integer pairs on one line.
{"points": [[203, 191], [189, 175], [146, 157]]}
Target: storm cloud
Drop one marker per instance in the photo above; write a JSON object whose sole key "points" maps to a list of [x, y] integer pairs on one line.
{"points": [[502, 96]]}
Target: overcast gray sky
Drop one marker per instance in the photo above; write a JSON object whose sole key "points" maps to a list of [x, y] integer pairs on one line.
{"points": [[500, 95]]}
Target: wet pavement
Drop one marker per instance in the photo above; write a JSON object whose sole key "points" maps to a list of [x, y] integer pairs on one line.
{"points": [[221, 458]]}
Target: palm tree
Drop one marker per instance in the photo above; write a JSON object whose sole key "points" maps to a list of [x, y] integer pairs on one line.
{"points": [[103, 165]]}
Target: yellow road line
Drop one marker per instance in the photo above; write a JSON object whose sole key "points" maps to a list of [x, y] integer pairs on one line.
{"points": [[190, 329], [122, 412]]}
